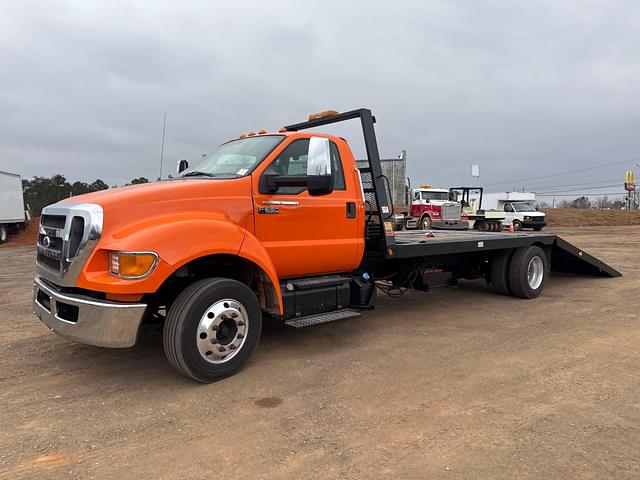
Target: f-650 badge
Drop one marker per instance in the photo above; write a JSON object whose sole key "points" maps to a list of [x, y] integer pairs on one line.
{"points": [[268, 210]]}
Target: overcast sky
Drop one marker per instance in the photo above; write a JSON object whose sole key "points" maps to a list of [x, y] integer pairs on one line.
{"points": [[525, 89]]}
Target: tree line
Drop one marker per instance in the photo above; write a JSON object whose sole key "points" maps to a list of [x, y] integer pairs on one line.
{"points": [[585, 202], [42, 191]]}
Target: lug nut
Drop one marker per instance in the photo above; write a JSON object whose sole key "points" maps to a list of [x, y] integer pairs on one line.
{"points": [[221, 349]]}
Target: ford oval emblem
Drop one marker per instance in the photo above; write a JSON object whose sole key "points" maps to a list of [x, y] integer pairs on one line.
{"points": [[46, 241]]}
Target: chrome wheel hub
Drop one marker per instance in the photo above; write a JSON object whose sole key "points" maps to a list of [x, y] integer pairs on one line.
{"points": [[222, 331], [535, 272]]}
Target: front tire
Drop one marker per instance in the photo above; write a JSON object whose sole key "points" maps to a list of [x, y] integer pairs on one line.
{"points": [[425, 223], [517, 225], [212, 329]]}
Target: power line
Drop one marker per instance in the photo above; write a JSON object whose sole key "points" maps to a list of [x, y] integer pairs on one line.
{"points": [[594, 187], [582, 194], [594, 182], [586, 169]]}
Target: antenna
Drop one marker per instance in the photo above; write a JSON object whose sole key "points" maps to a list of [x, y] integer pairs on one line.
{"points": [[164, 128]]}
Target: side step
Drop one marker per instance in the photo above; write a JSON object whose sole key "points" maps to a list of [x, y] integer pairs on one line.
{"points": [[310, 320]]}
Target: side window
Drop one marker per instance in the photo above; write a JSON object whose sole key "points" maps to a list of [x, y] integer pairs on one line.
{"points": [[293, 162], [336, 168], [508, 207]]}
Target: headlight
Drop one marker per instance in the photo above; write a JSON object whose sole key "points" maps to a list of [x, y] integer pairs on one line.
{"points": [[132, 265]]}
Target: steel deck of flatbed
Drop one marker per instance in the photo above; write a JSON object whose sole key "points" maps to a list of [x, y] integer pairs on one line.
{"points": [[565, 257]]}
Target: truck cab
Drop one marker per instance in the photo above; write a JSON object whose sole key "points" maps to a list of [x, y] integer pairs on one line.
{"points": [[432, 208], [522, 214]]}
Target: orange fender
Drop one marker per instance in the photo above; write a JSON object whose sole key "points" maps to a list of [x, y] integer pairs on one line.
{"points": [[255, 252]]}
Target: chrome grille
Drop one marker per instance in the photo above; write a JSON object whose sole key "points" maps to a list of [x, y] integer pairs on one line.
{"points": [[68, 233], [451, 211]]}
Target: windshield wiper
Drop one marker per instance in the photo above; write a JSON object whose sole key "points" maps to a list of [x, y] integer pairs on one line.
{"points": [[196, 173]]}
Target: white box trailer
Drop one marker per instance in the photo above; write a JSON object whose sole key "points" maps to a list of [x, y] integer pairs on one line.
{"points": [[519, 209], [12, 213]]}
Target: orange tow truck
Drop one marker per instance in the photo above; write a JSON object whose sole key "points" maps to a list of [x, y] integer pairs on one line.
{"points": [[280, 225]]}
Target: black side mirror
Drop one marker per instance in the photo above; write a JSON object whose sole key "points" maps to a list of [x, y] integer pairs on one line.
{"points": [[182, 166], [320, 184], [315, 184]]}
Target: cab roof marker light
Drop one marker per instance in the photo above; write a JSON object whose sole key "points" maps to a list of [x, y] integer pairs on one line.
{"points": [[326, 113], [282, 130], [251, 134], [262, 131]]}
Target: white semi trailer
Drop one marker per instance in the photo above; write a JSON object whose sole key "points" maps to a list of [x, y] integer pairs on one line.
{"points": [[12, 212], [518, 207]]}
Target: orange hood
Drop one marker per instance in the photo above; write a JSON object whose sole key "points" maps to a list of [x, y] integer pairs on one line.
{"points": [[125, 206]]}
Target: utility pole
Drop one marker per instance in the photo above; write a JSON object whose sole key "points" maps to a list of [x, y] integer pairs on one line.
{"points": [[164, 128]]}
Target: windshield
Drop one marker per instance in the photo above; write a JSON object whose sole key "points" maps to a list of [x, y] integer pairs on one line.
{"points": [[524, 207], [435, 195], [236, 158]]}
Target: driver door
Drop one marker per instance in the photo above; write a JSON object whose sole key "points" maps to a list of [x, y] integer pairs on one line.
{"points": [[308, 235], [509, 213]]}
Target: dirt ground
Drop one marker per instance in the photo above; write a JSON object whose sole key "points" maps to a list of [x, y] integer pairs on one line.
{"points": [[574, 217], [456, 383]]}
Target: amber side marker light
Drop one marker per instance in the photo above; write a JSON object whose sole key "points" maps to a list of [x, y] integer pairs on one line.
{"points": [[326, 113], [132, 265]]}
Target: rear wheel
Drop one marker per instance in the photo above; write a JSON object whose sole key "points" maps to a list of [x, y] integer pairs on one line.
{"points": [[4, 235], [482, 226], [212, 329], [537, 229], [499, 275], [528, 272], [425, 223]]}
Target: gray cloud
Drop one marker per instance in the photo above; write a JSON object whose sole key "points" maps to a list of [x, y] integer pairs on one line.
{"points": [[522, 88]]}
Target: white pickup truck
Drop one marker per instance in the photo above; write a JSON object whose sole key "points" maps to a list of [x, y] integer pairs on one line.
{"points": [[519, 209]]}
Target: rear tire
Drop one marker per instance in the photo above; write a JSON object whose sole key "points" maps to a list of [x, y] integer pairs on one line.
{"points": [[528, 272], [425, 223], [212, 329], [499, 275], [537, 229], [483, 226], [4, 234]]}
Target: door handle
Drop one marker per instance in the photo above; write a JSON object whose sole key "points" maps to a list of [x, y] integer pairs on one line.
{"points": [[280, 202], [351, 209]]}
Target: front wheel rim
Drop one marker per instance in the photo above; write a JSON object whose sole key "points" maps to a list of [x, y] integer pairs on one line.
{"points": [[222, 331], [535, 272]]}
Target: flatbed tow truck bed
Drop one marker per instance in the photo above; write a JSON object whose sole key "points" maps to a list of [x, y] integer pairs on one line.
{"points": [[565, 256]]}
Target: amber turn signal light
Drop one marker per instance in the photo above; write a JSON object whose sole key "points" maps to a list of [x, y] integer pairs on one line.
{"points": [[132, 265]]}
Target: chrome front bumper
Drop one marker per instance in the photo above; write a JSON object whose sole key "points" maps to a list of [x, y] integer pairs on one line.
{"points": [[85, 319]]}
